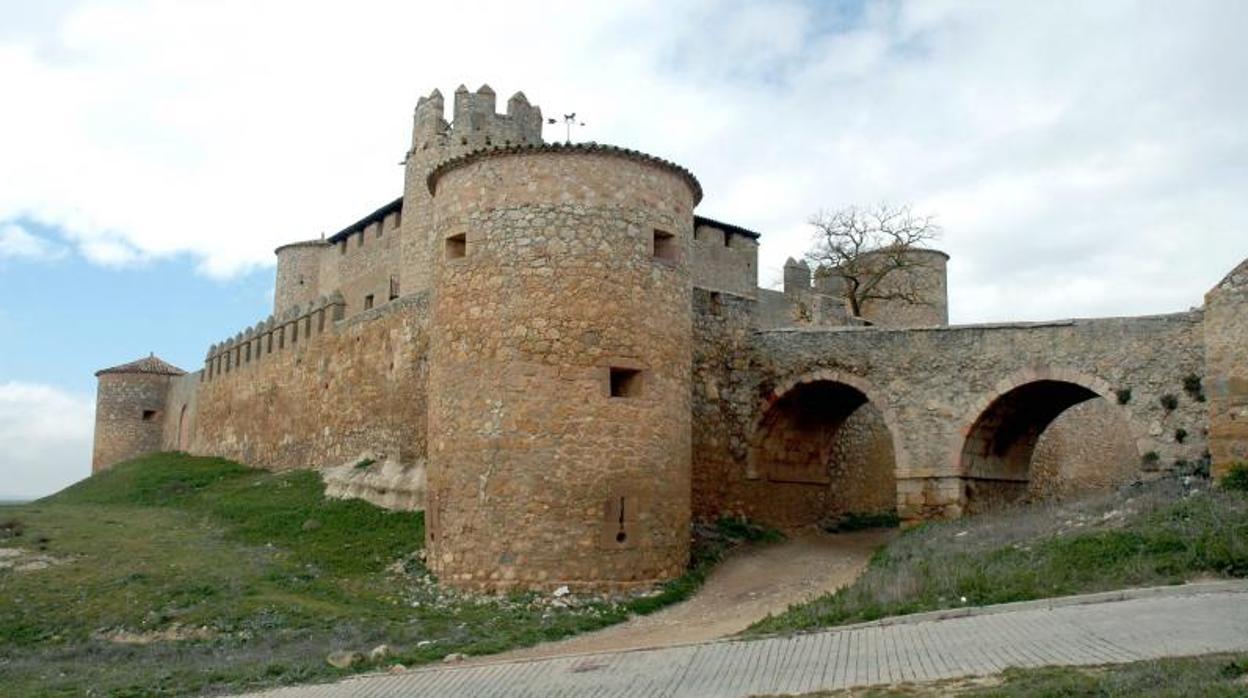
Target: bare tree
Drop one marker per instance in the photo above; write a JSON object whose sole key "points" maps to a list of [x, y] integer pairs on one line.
{"points": [[868, 249]]}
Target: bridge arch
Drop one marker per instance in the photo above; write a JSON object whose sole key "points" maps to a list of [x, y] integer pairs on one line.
{"points": [[825, 443], [1002, 429]]}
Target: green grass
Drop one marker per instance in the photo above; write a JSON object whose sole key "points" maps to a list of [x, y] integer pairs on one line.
{"points": [[266, 574], [1160, 534], [1213, 675]]}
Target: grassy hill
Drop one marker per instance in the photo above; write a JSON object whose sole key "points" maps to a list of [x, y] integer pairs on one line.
{"points": [[172, 574], [1166, 532]]}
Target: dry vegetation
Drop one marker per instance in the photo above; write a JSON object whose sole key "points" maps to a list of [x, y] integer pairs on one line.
{"points": [[1167, 532]]}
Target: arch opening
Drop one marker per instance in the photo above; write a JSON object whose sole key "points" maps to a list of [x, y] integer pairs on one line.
{"points": [[822, 450], [1044, 438]]}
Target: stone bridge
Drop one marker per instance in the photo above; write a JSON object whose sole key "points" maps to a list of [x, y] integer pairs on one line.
{"points": [[946, 420]]}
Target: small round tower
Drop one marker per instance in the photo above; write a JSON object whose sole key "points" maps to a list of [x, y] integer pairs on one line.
{"points": [[559, 373], [130, 410], [298, 274]]}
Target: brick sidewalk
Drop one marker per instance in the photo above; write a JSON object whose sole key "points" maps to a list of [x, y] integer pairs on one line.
{"points": [[1080, 630]]}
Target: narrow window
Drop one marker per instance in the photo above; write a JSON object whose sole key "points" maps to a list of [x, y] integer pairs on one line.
{"points": [[664, 246], [625, 382], [457, 246], [149, 415], [394, 287], [342, 246], [716, 304], [398, 217], [360, 243], [368, 302]]}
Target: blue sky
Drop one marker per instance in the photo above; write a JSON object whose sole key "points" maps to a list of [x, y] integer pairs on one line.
{"points": [[66, 318], [1083, 158]]}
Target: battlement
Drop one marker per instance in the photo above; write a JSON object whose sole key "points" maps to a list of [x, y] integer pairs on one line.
{"points": [[474, 123], [275, 334]]}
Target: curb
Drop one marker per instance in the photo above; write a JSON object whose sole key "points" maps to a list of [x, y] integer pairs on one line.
{"points": [[1173, 590]]}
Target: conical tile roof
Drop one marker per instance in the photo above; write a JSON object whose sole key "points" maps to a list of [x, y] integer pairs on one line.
{"points": [[148, 364]]}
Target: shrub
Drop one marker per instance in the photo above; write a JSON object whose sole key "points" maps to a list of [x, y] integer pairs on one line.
{"points": [[1169, 401], [1123, 395], [11, 528], [1236, 479], [1192, 386], [364, 463], [1180, 435], [1150, 458]]}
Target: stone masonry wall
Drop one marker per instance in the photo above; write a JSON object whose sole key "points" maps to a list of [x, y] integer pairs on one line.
{"points": [[539, 476], [298, 278], [342, 389], [182, 400], [1226, 377], [1088, 447], [724, 261], [367, 264], [129, 416], [937, 382]]}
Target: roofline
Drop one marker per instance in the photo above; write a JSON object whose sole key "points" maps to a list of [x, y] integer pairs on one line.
{"points": [[563, 148], [301, 243], [380, 214], [726, 227]]}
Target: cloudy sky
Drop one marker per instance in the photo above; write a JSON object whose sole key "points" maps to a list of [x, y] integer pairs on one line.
{"points": [[1083, 158]]}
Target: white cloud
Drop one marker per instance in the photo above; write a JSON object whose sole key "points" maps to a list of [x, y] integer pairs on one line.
{"points": [[45, 439], [1098, 147], [17, 243]]}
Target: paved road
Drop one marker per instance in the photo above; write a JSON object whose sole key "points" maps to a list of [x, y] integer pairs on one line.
{"points": [[1092, 630]]}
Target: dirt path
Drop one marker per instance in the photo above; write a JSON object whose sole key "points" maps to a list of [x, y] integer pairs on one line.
{"points": [[743, 589]]}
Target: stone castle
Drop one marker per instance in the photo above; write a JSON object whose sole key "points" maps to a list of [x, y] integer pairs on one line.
{"points": [[545, 349]]}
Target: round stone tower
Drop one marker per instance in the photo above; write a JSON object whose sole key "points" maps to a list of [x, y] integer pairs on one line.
{"points": [[130, 410], [298, 274], [559, 373], [924, 280]]}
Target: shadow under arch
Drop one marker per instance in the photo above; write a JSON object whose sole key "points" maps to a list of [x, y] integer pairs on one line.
{"points": [[1003, 430], [823, 446]]}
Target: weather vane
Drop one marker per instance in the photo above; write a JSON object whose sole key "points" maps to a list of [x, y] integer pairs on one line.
{"points": [[569, 120]]}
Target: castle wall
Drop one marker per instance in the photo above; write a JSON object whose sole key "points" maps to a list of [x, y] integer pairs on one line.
{"points": [[129, 416], [182, 401], [544, 469], [724, 261], [1225, 380], [367, 264], [315, 391]]}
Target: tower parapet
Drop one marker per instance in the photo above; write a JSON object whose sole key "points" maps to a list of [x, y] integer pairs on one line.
{"points": [[474, 125]]}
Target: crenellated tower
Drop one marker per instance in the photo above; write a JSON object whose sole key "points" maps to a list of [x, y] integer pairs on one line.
{"points": [[474, 125]]}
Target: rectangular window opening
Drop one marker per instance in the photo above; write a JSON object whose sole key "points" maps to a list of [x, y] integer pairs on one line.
{"points": [[368, 302], [625, 382], [149, 415], [457, 246], [664, 245], [342, 247], [716, 304], [394, 287]]}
